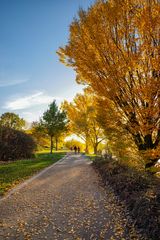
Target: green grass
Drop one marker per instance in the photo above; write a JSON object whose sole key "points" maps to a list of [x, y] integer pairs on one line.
{"points": [[15, 172], [91, 156], [153, 169]]}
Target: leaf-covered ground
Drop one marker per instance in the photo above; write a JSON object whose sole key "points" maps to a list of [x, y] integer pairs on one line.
{"points": [[67, 201]]}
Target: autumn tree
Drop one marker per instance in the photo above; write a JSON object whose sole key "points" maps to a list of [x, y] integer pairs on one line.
{"points": [[114, 47], [82, 115], [12, 120], [39, 134], [119, 142], [54, 122]]}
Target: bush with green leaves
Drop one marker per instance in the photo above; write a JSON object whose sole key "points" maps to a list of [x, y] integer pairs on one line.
{"points": [[15, 145]]}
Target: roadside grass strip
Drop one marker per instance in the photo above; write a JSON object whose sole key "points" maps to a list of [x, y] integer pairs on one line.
{"points": [[13, 173]]}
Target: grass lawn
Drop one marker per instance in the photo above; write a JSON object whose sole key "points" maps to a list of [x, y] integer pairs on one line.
{"points": [[15, 172], [91, 156]]}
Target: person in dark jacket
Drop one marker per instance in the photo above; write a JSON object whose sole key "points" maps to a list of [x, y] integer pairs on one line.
{"points": [[75, 149], [78, 149]]}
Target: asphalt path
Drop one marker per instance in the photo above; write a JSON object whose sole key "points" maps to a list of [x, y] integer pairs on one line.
{"points": [[66, 201]]}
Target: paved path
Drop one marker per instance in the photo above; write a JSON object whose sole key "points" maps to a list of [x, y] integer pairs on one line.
{"points": [[66, 202]]}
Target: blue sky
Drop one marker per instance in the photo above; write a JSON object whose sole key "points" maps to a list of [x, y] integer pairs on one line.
{"points": [[31, 75]]}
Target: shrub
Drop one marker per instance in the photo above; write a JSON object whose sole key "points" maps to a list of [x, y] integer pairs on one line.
{"points": [[15, 145]]}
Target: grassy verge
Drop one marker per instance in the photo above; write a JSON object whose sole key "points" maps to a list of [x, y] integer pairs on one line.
{"points": [[92, 157], [15, 172]]}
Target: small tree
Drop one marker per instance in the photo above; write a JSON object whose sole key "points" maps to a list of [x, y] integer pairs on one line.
{"points": [[39, 135], [82, 114], [12, 120], [54, 122]]}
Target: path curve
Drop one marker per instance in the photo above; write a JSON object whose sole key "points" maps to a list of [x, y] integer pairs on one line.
{"points": [[65, 202]]}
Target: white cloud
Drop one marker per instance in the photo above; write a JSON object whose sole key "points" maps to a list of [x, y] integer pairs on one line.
{"points": [[35, 115], [7, 83], [36, 99]]}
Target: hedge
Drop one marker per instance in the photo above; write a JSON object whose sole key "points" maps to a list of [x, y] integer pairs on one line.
{"points": [[15, 145]]}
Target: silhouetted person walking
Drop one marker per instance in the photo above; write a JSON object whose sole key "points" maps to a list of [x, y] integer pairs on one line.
{"points": [[75, 149], [78, 149]]}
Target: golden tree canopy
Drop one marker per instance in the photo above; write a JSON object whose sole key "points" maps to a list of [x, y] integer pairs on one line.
{"points": [[114, 48], [82, 115]]}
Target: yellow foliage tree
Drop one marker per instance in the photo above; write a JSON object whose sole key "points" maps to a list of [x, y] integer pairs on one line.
{"points": [[114, 47], [82, 117], [119, 142], [40, 137]]}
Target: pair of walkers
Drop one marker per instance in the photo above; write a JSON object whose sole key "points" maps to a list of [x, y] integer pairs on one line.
{"points": [[76, 149]]}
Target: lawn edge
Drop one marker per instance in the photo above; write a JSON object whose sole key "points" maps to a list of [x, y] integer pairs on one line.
{"points": [[29, 180]]}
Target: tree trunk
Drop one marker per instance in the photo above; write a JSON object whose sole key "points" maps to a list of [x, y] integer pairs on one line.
{"points": [[147, 144], [157, 139], [95, 148], [144, 143], [51, 148], [86, 150], [56, 144], [148, 141], [87, 147]]}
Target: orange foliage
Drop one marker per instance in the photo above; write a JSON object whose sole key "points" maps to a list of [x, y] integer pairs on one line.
{"points": [[114, 47]]}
